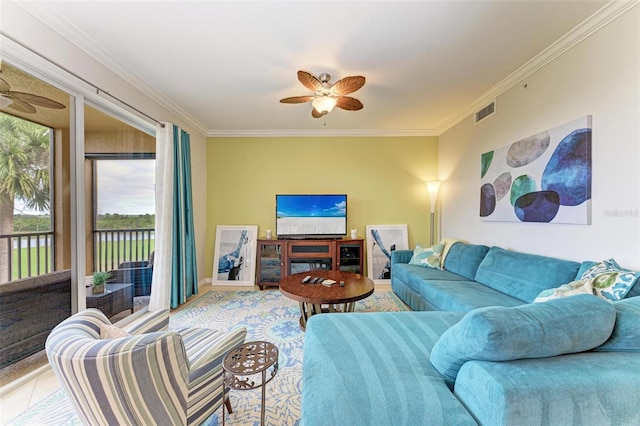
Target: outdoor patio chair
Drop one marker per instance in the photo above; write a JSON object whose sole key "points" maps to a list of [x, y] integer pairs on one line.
{"points": [[160, 377], [138, 273]]}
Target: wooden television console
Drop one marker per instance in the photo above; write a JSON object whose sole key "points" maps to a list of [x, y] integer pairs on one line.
{"points": [[278, 258]]}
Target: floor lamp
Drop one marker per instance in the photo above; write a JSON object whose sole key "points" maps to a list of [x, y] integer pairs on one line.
{"points": [[432, 188]]}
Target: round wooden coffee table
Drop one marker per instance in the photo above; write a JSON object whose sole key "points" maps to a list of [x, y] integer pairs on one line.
{"points": [[318, 298]]}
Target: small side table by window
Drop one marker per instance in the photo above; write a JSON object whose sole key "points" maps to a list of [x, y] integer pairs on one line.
{"points": [[246, 360], [115, 298]]}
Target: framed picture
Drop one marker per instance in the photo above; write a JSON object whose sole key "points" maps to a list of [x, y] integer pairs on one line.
{"points": [[543, 178], [234, 262], [381, 241]]}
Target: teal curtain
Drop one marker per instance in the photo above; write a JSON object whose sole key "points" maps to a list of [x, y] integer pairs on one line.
{"points": [[184, 274]]}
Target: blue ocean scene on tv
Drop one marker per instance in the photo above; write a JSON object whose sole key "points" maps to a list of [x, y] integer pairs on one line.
{"points": [[311, 214], [311, 205]]}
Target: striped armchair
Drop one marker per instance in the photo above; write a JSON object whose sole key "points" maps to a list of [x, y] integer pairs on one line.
{"points": [[160, 377]]}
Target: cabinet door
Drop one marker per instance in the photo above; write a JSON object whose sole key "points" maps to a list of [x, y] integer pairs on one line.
{"points": [[271, 263], [350, 256]]}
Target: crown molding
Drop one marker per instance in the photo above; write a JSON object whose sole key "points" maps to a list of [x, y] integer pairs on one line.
{"points": [[601, 18], [319, 133], [589, 26]]}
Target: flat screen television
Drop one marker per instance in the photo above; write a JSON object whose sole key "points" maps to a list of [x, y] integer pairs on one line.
{"points": [[311, 215]]}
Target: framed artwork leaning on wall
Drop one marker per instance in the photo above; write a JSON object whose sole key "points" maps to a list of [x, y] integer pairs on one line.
{"points": [[381, 241], [234, 261]]}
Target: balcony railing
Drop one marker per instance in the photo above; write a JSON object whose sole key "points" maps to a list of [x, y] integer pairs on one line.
{"points": [[114, 246], [29, 254], [33, 253]]}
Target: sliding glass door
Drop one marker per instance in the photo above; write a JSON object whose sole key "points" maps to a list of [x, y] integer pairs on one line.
{"points": [[77, 196], [119, 211], [37, 286]]}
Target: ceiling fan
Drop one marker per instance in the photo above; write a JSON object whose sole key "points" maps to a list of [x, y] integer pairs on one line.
{"points": [[327, 96], [24, 102]]}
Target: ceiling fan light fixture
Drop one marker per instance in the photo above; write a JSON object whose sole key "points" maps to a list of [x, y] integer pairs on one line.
{"points": [[324, 104], [328, 96]]}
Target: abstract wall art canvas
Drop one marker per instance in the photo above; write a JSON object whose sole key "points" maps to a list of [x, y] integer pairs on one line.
{"points": [[542, 178]]}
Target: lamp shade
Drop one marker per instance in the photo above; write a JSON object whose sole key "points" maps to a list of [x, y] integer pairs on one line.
{"points": [[432, 188], [324, 104]]}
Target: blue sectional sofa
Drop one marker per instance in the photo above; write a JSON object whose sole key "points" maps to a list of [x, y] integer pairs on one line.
{"points": [[476, 350]]}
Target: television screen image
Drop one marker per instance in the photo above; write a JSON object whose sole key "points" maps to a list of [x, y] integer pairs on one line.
{"points": [[310, 215]]}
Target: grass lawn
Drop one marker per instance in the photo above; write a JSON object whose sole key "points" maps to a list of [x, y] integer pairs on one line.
{"points": [[39, 259], [111, 255]]}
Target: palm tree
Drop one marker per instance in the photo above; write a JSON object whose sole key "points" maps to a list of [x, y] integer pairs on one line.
{"points": [[24, 174]]}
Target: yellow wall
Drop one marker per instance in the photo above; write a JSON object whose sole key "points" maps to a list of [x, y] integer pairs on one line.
{"points": [[384, 178]]}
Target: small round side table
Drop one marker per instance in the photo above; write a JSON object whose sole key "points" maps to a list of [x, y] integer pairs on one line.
{"points": [[246, 360]]}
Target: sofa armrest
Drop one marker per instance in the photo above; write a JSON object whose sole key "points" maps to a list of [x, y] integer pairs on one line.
{"points": [[589, 388], [400, 256], [207, 348]]}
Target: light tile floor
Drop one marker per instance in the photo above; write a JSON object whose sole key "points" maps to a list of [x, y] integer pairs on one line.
{"points": [[42, 382], [29, 393]]}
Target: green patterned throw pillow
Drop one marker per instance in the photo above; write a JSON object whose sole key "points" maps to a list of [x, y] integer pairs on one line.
{"points": [[429, 257], [609, 280]]}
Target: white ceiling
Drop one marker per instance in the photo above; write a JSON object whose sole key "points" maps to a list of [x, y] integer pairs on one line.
{"points": [[224, 65]]}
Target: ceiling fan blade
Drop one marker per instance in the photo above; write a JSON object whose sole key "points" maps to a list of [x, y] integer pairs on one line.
{"points": [[348, 85], [310, 81], [349, 103], [4, 86], [37, 100], [316, 114], [21, 106], [297, 99]]}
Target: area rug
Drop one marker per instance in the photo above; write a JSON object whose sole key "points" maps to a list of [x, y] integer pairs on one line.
{"points": [[267, 315]]}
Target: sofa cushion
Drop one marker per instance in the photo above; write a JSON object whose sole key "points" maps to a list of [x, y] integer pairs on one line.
{"points": [[427, 256], [448, 243], [414, 276], [610, 280], [411, 298], [583, 268], [463, 296], [626, 332], [586, 388], [463, 259], [370, 369], [635, 290], [536, 330], [523, 275]]}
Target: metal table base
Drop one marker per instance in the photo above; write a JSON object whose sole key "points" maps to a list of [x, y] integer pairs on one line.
{"points": [[247, 360]]}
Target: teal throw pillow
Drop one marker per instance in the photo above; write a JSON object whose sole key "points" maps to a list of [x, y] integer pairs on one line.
{"points": [[534, 330], [609, 280], [626, 332], [571, 289], [429, 257]]}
